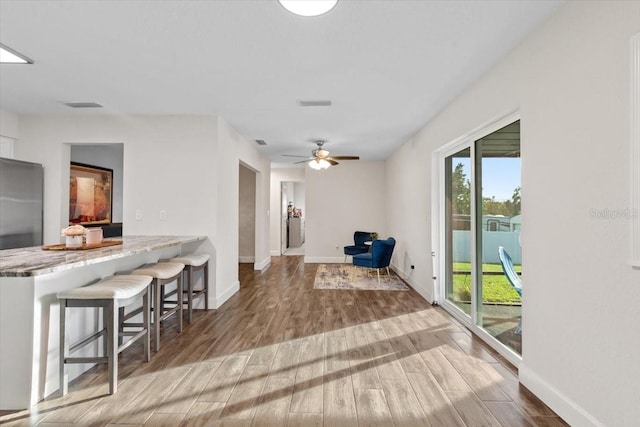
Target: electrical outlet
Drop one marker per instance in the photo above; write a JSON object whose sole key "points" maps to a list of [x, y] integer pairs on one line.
{"points": [[163, 215], [138, 215], [337, 247]]}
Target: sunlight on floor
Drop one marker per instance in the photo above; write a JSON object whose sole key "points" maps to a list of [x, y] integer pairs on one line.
{"points": [[302, 374]]}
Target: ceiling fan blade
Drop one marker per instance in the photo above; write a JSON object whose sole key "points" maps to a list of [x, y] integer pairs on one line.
{"points": [[301, 161], [346, 157], [293, 155], [330, 160]]}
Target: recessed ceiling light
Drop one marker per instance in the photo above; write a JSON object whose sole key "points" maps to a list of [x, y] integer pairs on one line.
{"points": [[10, 56], [308, 7]]}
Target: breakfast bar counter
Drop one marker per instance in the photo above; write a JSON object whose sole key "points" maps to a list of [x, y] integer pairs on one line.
{"points": [[34, 261], [30, 279]]}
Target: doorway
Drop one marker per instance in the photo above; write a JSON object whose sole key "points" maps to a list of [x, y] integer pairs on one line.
{"points": [[292, 217], [481, 200], [246, 215]]}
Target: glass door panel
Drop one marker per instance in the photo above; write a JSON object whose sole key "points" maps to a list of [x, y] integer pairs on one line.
{"points": [[497, 219], [458, 285]]}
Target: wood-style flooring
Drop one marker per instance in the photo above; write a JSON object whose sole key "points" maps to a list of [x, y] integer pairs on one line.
{"points": [[280, 353]]}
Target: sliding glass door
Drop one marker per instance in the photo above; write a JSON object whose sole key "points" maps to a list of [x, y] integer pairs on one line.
{"points": [[481, 213], [497, 185], [458, 285]]}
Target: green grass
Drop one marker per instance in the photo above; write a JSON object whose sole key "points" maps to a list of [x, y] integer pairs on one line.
{"points": [[466, 266], [495, 288]]}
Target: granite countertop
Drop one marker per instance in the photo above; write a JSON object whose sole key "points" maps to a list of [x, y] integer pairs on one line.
{"points": [[34, 261]]}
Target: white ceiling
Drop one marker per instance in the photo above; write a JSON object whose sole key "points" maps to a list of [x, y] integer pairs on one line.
{"points": [[387, 66]]}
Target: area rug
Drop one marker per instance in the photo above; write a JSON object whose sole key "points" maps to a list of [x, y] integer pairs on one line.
{"points": [[347, 276]]}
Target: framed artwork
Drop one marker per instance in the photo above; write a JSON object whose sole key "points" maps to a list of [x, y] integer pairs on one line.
{"points": [[90, 194]]}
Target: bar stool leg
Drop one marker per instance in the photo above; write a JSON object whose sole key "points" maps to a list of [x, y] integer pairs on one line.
{"points": [[120, 325], [190, 294], [206, 286], [146, 301], [112, 345], [63, 348], [179, 312], [105, 332], [157, 312], [162, 310]]}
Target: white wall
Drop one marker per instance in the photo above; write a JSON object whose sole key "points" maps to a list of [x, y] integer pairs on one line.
{"points": [[290, 197], [159, 172], [234, 149], [570, 82], [247, 215], [339, 201], [299, 196], [8, 133], [278, 176], [155, 177], [108, 156], [186, 165], [9, 124], [409, 215]]}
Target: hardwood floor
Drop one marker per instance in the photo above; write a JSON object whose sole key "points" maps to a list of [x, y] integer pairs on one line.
{"points": [[280, 353]]}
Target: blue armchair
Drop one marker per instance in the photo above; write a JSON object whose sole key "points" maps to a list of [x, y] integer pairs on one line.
{"points": [[359, 237], [512, 276], [379, 257]]}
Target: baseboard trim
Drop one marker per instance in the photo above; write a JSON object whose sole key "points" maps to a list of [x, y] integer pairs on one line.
{"points": [[323, 260], [246, 259], [224, 296], [419, 289], [274, 253], [566, 408], [262, 265]]}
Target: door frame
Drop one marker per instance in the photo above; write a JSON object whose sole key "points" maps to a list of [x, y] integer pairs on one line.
{"points": [[282, 219], [438, 224]]}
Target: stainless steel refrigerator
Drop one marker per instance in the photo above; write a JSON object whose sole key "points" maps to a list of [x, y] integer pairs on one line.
{"points": [[21, 200]]}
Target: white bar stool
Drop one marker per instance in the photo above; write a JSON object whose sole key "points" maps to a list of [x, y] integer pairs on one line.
{"points": [[111, 294], [163, 273], [192, 264]]}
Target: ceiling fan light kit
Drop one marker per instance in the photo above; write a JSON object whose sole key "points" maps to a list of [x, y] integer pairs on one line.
{"points": [[320, 158], [319, 164]]}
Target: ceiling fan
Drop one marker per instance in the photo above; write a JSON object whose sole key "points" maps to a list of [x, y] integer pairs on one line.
{"points": [[320, 158]]}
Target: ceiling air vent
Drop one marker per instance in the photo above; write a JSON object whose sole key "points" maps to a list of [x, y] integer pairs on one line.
{"points": [[82, 104], [315, 103], [261, 142]]}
